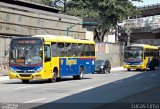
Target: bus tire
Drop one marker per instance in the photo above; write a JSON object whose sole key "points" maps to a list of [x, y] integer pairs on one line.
{"points": [[128, 69], [53, 79], [81, 74], [25, 81]]}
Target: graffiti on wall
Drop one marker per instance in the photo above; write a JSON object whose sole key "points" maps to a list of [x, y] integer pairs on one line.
{"points": [[109, 51], [4, 60], [102, 49]]}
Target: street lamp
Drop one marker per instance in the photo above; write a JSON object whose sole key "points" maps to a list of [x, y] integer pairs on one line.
{"points": [[81, 23]]}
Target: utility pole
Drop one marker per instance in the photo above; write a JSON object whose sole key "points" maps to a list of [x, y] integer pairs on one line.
{"points": [[128, 32], [117, 33], [65, 5]]}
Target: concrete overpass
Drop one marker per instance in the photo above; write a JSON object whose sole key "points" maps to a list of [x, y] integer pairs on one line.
{"points": [[150, 10], [144, 27]]}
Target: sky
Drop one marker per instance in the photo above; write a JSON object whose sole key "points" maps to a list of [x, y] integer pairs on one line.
{"points": [[146, 2]]}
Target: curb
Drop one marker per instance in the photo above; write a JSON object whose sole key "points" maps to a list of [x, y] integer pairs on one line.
{"points": [[117, 69], [2, 78]]}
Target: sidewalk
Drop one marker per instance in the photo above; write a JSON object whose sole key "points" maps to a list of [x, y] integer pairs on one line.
{"points": [[3, 77], [117, 69]]}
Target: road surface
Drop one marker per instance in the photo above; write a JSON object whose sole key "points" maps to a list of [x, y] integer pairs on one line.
{"points": [[119, 88]]}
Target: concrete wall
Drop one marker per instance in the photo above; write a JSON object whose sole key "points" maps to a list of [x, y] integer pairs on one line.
{"points": [[89, 35], [110, 51], [4, 54], [18, 20]]}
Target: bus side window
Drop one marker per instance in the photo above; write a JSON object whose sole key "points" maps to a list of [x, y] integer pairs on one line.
{"points": [[87, 50], [92, 50], [74, 49], [47, 53], [54, 49], [80, 49], [68, 49], [61, 49]]}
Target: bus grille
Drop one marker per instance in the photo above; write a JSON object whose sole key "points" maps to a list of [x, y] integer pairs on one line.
{"points": [[133, 66], [25, 75], [25, 72]]}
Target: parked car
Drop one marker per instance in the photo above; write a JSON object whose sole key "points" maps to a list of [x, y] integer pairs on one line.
{"points": [[103, 66]]}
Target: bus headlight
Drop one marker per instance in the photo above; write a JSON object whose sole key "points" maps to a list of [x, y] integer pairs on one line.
{"points": [[141, 63], [102, 67], [12, 70], [39, 70]]}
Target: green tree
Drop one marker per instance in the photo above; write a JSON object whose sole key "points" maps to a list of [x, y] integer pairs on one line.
{"points": [[106, 12]]}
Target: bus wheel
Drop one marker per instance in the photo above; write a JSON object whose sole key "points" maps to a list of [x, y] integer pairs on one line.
{"points": [[25, 81], [129, 69], [81, 74], [53, 79]]}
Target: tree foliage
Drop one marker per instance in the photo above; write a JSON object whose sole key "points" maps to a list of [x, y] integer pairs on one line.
{"points": [[106, 12]]}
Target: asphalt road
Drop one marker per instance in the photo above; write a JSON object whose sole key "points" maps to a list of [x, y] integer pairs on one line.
{"points": [[94, 91]]}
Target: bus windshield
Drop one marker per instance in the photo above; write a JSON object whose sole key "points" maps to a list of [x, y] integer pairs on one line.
{"points": [[133, 53], [25, 52]]}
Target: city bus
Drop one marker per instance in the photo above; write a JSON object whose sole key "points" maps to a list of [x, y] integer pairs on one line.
{"points": [[50, 57], [140, 57]]}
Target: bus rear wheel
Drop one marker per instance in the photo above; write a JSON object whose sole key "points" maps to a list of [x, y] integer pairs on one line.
{"points": [[81, 74], [25, 81]]}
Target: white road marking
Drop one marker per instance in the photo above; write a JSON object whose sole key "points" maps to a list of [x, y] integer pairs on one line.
{"points": [[35, 100], [22, 87], [88, 88], [153, 75], [117, 81], [139, 78]]}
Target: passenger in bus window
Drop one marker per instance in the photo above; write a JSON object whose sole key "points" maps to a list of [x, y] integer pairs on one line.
{"points": [[36, 59]]}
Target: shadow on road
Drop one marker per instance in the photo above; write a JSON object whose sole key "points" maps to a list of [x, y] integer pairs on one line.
{"points": [[111, 95]]}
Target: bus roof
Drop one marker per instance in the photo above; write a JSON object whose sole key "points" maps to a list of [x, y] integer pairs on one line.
{"points": [[68, 39], [144, 46]]}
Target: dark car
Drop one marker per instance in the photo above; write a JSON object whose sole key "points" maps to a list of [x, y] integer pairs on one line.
{"points": [[102, 66]]}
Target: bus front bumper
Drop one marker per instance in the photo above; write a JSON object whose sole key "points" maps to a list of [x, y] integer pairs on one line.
{"points": [[133, 66], [24, 76]]}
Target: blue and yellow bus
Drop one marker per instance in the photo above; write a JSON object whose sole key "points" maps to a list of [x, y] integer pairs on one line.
{"points": [[140, 57], [50, 57]]}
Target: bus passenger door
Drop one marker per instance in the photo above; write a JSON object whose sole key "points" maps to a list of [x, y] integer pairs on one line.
{"points": [[47, 61]]}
